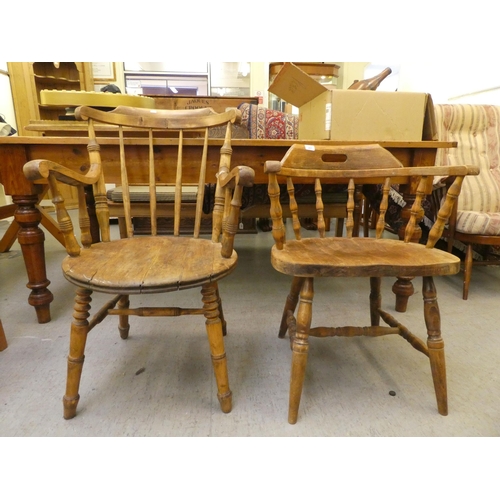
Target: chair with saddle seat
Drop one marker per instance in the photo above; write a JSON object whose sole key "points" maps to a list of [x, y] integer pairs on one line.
{"points": [[306, 259]]}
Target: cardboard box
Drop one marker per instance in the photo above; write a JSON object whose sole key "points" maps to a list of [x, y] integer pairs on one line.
{"points": [[218, 104], [354, 115]]}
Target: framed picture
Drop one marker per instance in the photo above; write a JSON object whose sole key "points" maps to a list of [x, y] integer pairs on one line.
{"points": [[104, 71]]}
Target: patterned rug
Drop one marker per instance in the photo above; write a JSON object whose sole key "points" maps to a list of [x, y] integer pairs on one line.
{"points": [[264, 123]]}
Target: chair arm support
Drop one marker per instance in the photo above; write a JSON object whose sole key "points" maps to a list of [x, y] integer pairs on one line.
{"points": [[36, 170], [238, 178], [46, 170]]}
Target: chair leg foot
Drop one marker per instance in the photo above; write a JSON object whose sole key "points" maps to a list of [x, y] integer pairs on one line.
{"points": [[70, 405], [299, 362], [226, 401]]}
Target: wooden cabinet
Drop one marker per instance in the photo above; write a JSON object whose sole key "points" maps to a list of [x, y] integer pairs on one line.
{"points": [[29, 78]]}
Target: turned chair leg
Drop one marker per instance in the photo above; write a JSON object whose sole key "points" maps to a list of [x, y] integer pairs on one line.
{"points": [[211, 311], [123, 325], [3, 339], [467, 271], [78, 338], [339, 228], [221, 313], [300, 348], [290, 305], [375, 301], [435, 343], [122, 227]]}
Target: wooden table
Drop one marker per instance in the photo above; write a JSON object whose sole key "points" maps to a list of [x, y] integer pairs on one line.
{"points": [[72, 152]]}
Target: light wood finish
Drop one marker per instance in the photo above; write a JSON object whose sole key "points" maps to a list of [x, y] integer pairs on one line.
{"points": [[29, 78], [73, 98], [305, 259], [148, 264], [71, 151]]}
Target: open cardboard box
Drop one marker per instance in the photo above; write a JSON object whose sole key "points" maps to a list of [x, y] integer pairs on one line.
{"points": [[354, 115]]}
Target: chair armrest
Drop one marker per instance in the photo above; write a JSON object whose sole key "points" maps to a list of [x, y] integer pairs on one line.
{"points": [[241, 175], [46, 170], [37, 170]]}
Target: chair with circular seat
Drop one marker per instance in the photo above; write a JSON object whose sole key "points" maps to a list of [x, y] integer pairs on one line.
{"points": [[152, 264]]}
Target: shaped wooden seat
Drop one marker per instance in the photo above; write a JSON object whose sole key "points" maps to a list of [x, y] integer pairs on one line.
{"points": [[148, 264], [313, 257]]}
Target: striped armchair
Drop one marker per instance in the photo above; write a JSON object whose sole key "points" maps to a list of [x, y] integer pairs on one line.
{"points": [[476, 128]]}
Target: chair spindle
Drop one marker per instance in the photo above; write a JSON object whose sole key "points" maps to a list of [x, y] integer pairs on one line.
{"points": [[350, 208], [294, 208], [99, 189], [152, 186], [319, 208], [125, 186], [201, 187], [383, 208], [178, 186], [416, 209]]}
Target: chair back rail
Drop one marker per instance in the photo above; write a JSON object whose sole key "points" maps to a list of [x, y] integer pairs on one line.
{"points": [[229, 184], [356, 165]]}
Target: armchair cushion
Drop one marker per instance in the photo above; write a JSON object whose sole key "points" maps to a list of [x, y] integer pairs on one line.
{"points": [[473, 222], [476, 128]]}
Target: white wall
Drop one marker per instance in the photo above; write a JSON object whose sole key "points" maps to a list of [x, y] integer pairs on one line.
{"points": [[6, 103], [452, 82], [7, 110]]}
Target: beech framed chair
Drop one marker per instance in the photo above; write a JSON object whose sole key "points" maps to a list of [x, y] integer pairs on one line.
{"points": [[308, 258], [154, 263]]}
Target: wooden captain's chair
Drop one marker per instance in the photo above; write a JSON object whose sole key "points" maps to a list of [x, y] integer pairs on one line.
{"points": [[148, 264], [305, 259]]}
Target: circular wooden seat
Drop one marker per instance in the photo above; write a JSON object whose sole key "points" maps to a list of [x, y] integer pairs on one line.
{"points": [[148, 265]]}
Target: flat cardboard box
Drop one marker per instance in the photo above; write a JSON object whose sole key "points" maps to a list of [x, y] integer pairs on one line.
{"points": [[218, 104], [354, 115]]}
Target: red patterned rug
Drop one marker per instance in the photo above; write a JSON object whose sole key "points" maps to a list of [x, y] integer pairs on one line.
{"points": [[264, 123]]}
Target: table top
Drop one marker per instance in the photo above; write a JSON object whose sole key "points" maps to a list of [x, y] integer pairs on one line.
{"points": [[235, 142]]}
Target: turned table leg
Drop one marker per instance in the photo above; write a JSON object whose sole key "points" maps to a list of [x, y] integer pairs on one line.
{"points": [[31, 239], [403, 287]]}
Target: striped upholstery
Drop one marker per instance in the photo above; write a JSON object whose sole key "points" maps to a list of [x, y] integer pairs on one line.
{"points": [[476, 128]]}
